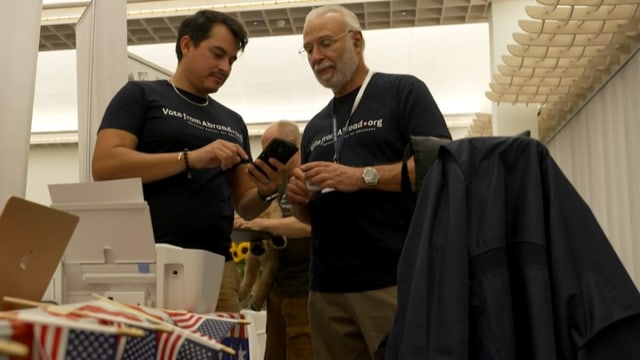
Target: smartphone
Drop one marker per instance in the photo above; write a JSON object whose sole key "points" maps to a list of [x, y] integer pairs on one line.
{"points": [[280, 149]]}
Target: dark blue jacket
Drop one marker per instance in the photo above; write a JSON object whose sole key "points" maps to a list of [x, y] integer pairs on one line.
{"points": [[504, 260]]}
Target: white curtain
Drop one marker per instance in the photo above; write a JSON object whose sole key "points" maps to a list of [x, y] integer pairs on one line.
{"points": [[599, 151]]}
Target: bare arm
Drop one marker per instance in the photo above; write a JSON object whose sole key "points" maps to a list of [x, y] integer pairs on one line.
{"points": [[264, 284], [115, 157], [252, 267], [330, 175], [289, 227]]}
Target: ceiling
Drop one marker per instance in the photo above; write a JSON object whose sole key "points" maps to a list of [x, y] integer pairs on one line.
{"points": [[157, 21], [566, 51]]}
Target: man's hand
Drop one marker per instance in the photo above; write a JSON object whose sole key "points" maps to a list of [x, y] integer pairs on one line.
{"points": [[330, 175], [217, 153], [269, 179]]}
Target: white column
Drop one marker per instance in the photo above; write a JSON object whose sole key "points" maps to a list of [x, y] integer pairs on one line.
{"points": [[509, 119], [19, 38], [101, 47]]}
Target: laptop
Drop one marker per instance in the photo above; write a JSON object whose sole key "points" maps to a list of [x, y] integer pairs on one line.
{"points": [[33, 238]]}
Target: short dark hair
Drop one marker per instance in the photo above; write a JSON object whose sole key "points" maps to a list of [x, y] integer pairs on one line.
{"points": [[198, 28]]}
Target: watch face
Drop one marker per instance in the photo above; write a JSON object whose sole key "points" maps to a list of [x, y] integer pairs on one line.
{"points": [[370, 176]]}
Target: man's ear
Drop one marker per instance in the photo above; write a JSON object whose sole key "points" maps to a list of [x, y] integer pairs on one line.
{"points": [[358, 40], [185, 43]]}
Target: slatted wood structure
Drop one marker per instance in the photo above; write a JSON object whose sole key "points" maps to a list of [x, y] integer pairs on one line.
{"points": [[568, 49]]}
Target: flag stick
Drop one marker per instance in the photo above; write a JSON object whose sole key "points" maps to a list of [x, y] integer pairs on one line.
{"points": [[61, 322], [64, 310], [214, 315], [13, 348]]}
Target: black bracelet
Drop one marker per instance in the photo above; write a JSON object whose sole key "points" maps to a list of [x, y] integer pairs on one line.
{"points": [[185, 159]]}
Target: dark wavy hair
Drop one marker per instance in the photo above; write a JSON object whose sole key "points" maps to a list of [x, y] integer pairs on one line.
{"points": [[198, 28]]}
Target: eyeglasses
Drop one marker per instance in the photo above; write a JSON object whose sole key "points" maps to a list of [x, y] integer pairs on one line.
{"points": [[323, 43]]}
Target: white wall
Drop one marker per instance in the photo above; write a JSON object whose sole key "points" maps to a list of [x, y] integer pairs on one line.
{"points": [[50, 164], [271, 81]]}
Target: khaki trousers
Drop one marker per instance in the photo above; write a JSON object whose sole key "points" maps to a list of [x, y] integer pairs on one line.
{"points": [[288, 335], [228, 300], [350, 326]]}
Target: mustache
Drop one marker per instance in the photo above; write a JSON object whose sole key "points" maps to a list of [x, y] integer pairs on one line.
{"points": [[323, 65], [220, 74]]}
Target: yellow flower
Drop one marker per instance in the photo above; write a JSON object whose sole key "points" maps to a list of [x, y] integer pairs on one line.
{"points": [[234, 252], [241, 251]]}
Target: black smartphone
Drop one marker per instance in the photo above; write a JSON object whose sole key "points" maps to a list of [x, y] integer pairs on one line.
{"points": [[280, 149]]}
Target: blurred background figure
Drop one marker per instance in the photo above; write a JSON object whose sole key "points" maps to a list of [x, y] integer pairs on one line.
{"points": [[285, 267]]}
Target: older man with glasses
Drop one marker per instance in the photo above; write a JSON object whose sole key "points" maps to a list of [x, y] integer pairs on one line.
{"points": [[348, 186]]}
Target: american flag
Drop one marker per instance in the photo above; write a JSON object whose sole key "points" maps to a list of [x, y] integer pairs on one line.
{"points": [[18, 332], [128, 348], [210, 326], [237, 338], [166, 345], [56, 335], [102, 309], [175, 346], [59, 342], [136, 348]]}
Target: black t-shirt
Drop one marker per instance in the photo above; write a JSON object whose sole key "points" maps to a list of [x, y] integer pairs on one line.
{"points": [[357, 237], [193, 213]]}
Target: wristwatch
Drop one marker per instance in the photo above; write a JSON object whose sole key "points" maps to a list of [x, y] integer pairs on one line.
{"points": [[370, 176]]}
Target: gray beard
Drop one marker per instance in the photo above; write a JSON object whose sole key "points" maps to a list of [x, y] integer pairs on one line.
{"points": [[349, 64]]}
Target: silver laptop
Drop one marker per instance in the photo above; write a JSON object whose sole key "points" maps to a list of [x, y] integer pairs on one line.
{"points": [[33, 238]]}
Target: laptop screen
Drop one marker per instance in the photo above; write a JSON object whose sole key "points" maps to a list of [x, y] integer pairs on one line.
{"points": [[33, 238]]}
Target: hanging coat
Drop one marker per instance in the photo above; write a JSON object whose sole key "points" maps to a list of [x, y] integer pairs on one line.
{"points": [[504, 260]]}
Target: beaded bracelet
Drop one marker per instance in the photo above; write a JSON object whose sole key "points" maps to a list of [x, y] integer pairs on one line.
{"points": [[184, 156]]}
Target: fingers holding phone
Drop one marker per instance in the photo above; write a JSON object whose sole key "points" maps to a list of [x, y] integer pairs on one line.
{"points": [[279, 149]]}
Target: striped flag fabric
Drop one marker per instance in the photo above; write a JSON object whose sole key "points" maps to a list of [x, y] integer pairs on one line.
{"points": [[175, 346], [210, 326]]}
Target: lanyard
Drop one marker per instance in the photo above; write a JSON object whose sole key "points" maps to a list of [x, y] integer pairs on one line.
{"points": [[339, 139]]}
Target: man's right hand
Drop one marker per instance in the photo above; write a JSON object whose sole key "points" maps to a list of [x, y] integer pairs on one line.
{"points": [[217, 153]]}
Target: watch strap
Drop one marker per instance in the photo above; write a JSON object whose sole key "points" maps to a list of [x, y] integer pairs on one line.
{"points": [[268, 198]]}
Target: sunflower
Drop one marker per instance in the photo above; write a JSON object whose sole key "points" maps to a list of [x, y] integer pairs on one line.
{"points": [[239, 252], [234, 252], [242, 251]]}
